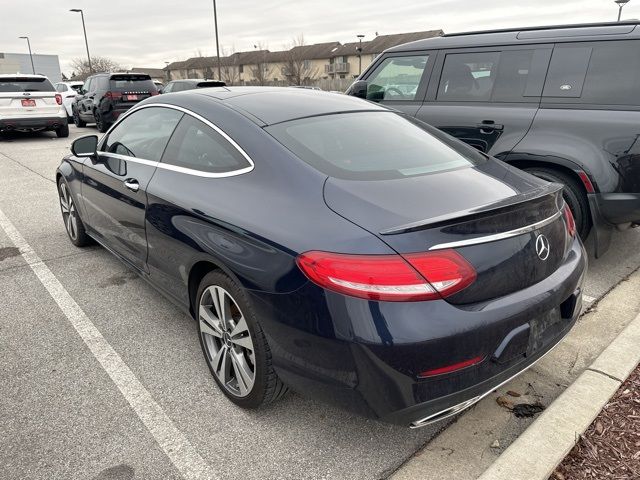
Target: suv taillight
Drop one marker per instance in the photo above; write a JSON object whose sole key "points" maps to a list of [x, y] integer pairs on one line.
{"points": [[571, 223], [113, 95], [58, 99], [394, 278]]}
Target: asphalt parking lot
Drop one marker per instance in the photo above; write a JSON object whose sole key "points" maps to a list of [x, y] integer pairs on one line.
{"points": [[61, 414]]}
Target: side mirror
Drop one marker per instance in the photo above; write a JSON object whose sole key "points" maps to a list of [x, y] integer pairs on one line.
{"points": [[85, 147], [358, 89]]}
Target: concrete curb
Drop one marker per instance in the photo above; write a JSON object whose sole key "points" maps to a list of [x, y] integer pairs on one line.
{"points": [[539, 450]]}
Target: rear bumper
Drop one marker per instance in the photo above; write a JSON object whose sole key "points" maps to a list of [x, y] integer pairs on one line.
{"points": [[33, 123], [366, 356], [617, 208]]}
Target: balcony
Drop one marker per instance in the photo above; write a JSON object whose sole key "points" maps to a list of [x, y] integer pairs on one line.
{"points": [[333, 68]]}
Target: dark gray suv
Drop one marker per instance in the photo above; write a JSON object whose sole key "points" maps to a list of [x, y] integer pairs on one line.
{"points": [[561, 102]]}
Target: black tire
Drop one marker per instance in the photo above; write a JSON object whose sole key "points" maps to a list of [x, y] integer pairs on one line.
{"points": [[573, 195], [267, 387], [78, 122], [63, 131], [101, 125], [76, 232]]}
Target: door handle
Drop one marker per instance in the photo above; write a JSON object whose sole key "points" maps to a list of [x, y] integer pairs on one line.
{"points": [[132, 184], [489, 126]]}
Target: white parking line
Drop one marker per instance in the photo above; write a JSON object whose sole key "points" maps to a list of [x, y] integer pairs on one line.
{"points": [[174, 444], [588, 298]]}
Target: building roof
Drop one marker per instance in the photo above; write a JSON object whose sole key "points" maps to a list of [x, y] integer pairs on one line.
{"points": [[152, 72], [380, 43]]}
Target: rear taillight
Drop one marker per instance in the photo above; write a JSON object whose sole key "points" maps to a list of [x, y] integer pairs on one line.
{"points": [[414, 277], [571, 223], [58, 99], [113, 95]]}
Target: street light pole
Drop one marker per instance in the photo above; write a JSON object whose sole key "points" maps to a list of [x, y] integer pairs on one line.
{"points": [[86, 42], [30, 54], [215, 27], [360, 37], [621, 3]]}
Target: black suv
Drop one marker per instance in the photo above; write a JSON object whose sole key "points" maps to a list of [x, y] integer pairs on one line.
{"points": [[190, 84], [106, 96], [561, 102]]}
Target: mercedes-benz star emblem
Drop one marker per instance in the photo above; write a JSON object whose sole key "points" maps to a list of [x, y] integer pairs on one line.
{"points": [[542, 247]]}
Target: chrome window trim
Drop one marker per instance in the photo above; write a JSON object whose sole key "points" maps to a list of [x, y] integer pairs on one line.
{"points": [[499, 236], [176, 168]]}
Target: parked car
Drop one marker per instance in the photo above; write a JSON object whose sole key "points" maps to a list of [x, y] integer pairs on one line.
{"points": [[559, 102], [106, 96], [29, 103], [189, 84], [159, 85], [68, 92], [332, 246]]}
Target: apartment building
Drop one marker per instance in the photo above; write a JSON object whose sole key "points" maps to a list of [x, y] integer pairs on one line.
{"points": [[331, 65]]}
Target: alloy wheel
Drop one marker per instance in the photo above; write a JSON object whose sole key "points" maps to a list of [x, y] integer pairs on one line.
{"points": [[69, 213], [227, 341]]}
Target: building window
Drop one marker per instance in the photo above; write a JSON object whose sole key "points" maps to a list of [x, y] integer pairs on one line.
{"points": [[241, 68], [342, 75]]}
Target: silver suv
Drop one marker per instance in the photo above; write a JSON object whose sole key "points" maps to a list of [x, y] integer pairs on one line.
{"points": [[29, 103]]}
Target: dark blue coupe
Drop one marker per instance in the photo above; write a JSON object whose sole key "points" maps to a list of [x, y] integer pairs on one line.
{"points": [[332, 246]]}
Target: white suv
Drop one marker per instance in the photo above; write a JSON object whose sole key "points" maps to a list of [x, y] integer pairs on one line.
{"points": [[68, 92], [29, 103]]}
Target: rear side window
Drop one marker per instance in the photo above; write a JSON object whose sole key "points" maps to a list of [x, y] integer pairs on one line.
{"points": [[197, 146], [143, 134], [25, 84], [371, 146], [131, 83], [397, 78], [603, 73]]}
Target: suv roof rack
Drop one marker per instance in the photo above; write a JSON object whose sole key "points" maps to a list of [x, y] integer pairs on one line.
{"points": [[546, 27]]}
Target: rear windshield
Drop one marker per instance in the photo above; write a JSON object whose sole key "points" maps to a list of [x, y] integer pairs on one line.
{"points": [[131, 83], [372, 146], [25, 84]]}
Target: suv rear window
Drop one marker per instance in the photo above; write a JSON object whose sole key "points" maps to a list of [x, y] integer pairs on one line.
{"points": [[372, 146], [25, 84], [129, 83]]}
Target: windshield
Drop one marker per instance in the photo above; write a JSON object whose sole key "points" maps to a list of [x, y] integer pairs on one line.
{"points": [[25, 84], [372, 146], [131, 83]]}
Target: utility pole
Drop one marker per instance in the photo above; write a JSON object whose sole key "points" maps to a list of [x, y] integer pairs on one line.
{"points": [[360, 37], [215, 27], [30, 54]]}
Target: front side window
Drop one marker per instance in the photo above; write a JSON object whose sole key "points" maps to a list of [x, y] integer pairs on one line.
{"points": [[397, 78], [197, 146], [143, 134], [468, 77], [372, 146]]}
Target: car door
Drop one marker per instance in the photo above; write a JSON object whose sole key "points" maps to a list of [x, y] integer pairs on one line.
{"points": [[114, 185], [84, 101], [399, 80], [486, 97]]}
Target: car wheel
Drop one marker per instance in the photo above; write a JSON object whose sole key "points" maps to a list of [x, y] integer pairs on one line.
{"points": [[63, 131], [233, 343], [70, 217], [78, 122], [573, 195], [101, 125]]}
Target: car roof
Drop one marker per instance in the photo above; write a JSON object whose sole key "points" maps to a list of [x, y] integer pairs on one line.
{"points": [[22, 75], [270, 105], [525, 35]]}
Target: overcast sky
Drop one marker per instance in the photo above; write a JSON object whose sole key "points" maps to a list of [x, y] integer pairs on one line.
{"points": [[146, 33]]}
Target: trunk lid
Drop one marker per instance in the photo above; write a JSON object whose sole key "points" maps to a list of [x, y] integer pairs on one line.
{"points": [[27, 97], [493, 204]]}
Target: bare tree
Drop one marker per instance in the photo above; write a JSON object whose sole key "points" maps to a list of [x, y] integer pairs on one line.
{"points": [[229, 69], [262, 70], [298, 69], [100, 64]]}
